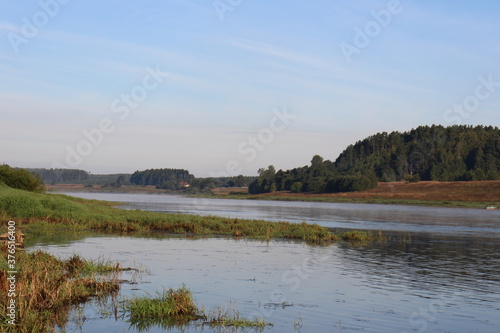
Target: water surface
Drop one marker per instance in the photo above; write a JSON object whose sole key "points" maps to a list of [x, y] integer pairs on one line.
{"points": [[438, 272], [464, 221]]}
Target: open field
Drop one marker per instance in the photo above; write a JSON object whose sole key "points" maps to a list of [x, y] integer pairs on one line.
{"points": [[477, 194]]}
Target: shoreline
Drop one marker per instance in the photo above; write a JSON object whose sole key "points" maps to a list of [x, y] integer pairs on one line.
{"points": [[375, 201], [471, 194]]}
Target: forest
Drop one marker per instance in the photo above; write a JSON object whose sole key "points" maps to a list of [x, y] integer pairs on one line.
{"points": [[455, 153], [169, 179]]}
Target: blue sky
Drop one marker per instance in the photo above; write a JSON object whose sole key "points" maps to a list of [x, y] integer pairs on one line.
{"points": [[225, 69]]}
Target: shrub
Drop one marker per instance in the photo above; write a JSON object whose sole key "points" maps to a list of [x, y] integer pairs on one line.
{"points": [[412, 178], [20, 179]]}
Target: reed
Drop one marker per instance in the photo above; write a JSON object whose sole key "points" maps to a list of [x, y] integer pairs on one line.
{"points": [[171, 308], [46, 289], [228, 317]]}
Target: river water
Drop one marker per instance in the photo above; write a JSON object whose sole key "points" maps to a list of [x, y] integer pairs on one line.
{"points": [[438, 272]]}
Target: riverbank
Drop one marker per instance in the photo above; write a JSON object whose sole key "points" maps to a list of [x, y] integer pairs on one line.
{"points": [[46, 210], [473, 194], [58, 213]]}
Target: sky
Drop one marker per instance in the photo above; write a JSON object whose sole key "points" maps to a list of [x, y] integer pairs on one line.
{"points": [[225, 87]]}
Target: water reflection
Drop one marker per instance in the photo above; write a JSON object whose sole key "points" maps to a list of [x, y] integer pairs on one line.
{"points": [[472, 222], [411, 282]]}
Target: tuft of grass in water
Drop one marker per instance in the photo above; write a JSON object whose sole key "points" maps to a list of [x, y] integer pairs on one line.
{"points": [[46, 289], [176, 308], [172, 307], [356, 237], [229, 317]]}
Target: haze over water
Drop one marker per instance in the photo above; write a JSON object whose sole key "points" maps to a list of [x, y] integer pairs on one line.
{"points": [[416, 281]]}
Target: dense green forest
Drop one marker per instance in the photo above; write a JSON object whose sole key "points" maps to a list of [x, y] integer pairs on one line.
{"points": [[176, 179], [61, 176], [162, 178], [455, 153], [76, 176]]}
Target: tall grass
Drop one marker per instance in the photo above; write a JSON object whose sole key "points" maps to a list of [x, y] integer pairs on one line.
{"points": [[46, 289], [56, 210], [169, 309], [177, 308]]}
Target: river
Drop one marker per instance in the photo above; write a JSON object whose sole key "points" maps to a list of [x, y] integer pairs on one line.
{"points": [[438, 272]]}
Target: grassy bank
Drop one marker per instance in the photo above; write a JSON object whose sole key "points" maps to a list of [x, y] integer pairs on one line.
{"points": [[46, 288], [37, 210]]}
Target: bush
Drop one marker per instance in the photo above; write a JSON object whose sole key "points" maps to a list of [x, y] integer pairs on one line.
{"points": [[20, 179], [412, 178]]}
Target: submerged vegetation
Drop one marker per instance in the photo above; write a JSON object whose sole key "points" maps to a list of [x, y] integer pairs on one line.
{"points": [[47, 288]]}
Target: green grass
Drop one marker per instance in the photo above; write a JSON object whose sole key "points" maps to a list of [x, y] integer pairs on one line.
{"points": [[171, 308], [228, 317], [48, 287], [360, 236], [44, 210], [177, 308]]}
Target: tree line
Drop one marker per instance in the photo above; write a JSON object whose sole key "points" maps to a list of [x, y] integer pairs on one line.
{"points": [[61, 176], [455, 153], [162, 178]]}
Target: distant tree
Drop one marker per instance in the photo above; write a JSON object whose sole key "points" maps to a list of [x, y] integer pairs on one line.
{"points": [[160, 177], [296, 187], [240, 181]]}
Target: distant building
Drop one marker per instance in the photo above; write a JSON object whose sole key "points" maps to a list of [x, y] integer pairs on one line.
{"points": [[184, 184]]}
